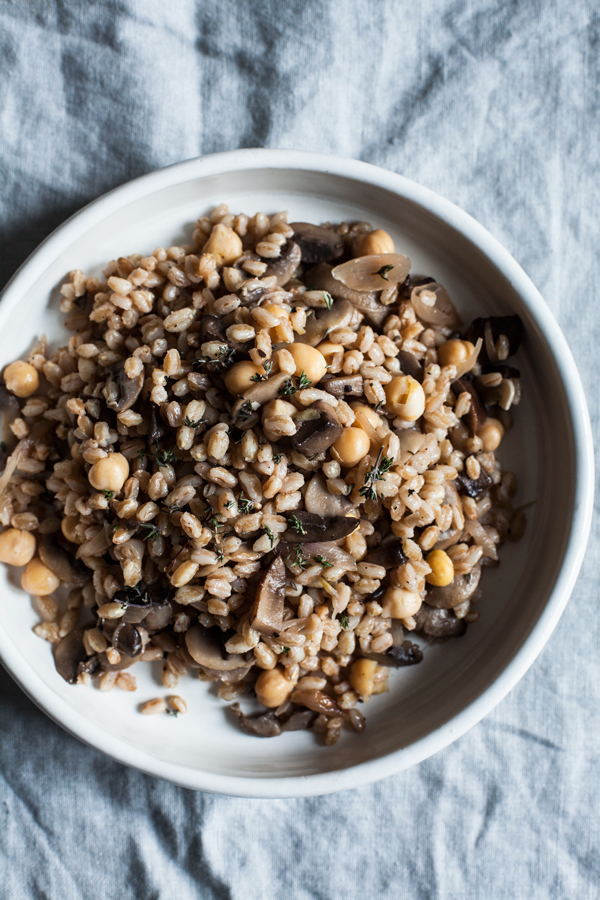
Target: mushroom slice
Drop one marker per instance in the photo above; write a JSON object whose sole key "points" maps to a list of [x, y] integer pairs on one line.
{"points": [[205, 648], [321, 279], [129, 640], [324, 321], [266, 615], [473, 487], [261, 725], [319, 430], [439, 623], [264, 391], [477, 414], [320, 501], [212, 328], [373, 273], [317, 244], [342, 386], [455, 593], [68, 654], [64, 564], [390, 556], [490, 330], [286, 264], [411, 365], [121, 392], [435, 306], [309, 528]]}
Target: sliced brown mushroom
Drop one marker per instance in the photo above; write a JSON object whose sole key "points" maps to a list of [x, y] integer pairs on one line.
{"points": [[309, 528], [286, 264], [264, 391], [320, 552], [455, 593], [319, 500], [64, 564], [322, 322], [411, 365], [266, 615], [317, 244], [477, 414], [389, 555], [160, 615], [319, 428], [473, 487], [120, 391], [212, 328], [299, 720], [231, 676], [204, 647], [509, 326], [342, 386], [262, 725], [128, 640], [439, 623], [321, 279], [68, 654]]}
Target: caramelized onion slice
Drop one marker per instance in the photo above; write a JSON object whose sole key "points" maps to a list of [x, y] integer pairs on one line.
{"points": [[470, 361], [441, 313], [373, 273]]}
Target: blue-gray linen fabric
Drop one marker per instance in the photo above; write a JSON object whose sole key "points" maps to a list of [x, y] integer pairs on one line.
{"points": [[493, 103]]}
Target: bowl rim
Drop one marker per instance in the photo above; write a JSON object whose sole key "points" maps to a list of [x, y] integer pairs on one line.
{"points": [[447, 212]]}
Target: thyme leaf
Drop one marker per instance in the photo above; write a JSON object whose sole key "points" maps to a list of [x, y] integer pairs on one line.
{"points": [[382, 272], [382, 465], [296, 525], [344, 619]]}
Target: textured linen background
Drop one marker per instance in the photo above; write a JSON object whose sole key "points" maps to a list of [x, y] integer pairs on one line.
{"points": [[495, 105]]}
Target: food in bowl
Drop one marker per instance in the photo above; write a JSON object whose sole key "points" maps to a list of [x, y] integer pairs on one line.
{"points": [[267, 457]]}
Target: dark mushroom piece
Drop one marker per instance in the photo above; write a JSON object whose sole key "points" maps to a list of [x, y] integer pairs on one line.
{"points": [[266, 615], [159, 617], [411, 365], [473, 487], [455, 593], [342, 386], [320, 501], [328, 551], [309, 528], [261, 725], [285, 265], [477, 414], [439, 623], [128, 640], [251, 292], [120, 391], [69, 653], [321, 279], [489, 330], [322, 322], [319, 429], [299, 720], [264, 391], [317, 244], [212, 328], [63, 563], [389, 555], [9, 405], [205, 648]]}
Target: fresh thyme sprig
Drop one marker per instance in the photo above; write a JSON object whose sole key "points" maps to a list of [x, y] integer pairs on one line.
{"points": [[152, 532], [223, 361], [245, 506], [164, 456], [328, 299], [272, 537], [293, 384], [382, 465], [191, 423], [210, 519], [344, 619], [296, 525], [298, 559], [324, 563], [382, 272]]}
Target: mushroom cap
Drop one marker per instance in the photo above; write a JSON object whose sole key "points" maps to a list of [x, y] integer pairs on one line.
{"points": [[204, 647], [321, 502], [68, 654], [319, 428], [317, 244], [266, 615], [63, 563], [455, 593]]}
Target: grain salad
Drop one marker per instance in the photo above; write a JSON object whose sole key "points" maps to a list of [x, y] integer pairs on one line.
{"points": [[266, 459]]}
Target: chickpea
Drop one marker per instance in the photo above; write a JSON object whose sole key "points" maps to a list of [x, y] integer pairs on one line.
{"points": [[38, 579], [109, 473], [490, 434], [272, 687], [368, 420], [67, 526], [239, 377], [405, 397], [16, 547], [442, 568], [362, 674], [308, 360], [329, 350], [453, 353], [224, 244], [352, 446], [21, 378], [378, 241], [398, 603]]}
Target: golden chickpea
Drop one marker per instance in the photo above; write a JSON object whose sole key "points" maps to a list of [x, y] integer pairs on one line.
{"points": [[368, 420], [239, 377], [352, 446], [398, 603], [442, 568], [272, 687], [329, 350], [490, 434], [308, 360], [67, 526], [109, 473], [454, 352], [362, 674], [378, 241], [38, 579], [21, 378], [224, 244], [16, 547], [405, 397]]}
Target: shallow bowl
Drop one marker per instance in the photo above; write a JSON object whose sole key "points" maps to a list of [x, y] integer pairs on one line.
{"points": [[549, 448]]}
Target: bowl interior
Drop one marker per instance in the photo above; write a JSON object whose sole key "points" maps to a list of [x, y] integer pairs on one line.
{"points": [[539, 449]]}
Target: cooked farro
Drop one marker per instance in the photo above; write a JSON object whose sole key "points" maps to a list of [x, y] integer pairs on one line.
{"points": [[263, 457]]}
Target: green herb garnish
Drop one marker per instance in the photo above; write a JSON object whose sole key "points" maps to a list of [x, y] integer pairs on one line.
{"points": [[344, 619], [293, 384], [245, 412], [164, 456], [324, 563], [108, 494], [379, 405], [382, 272], [223, 361], [298, 559], [173, 712], [328, 299], [245, 506], [296, 525], [277, 458], [286, 650], [272, 537], [267, 366], [152, 532], [190, 423], [230, 504], [210, 518], [382, 465]]}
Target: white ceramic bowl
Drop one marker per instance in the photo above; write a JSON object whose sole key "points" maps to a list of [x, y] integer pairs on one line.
{"points": [[549, 448]]}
